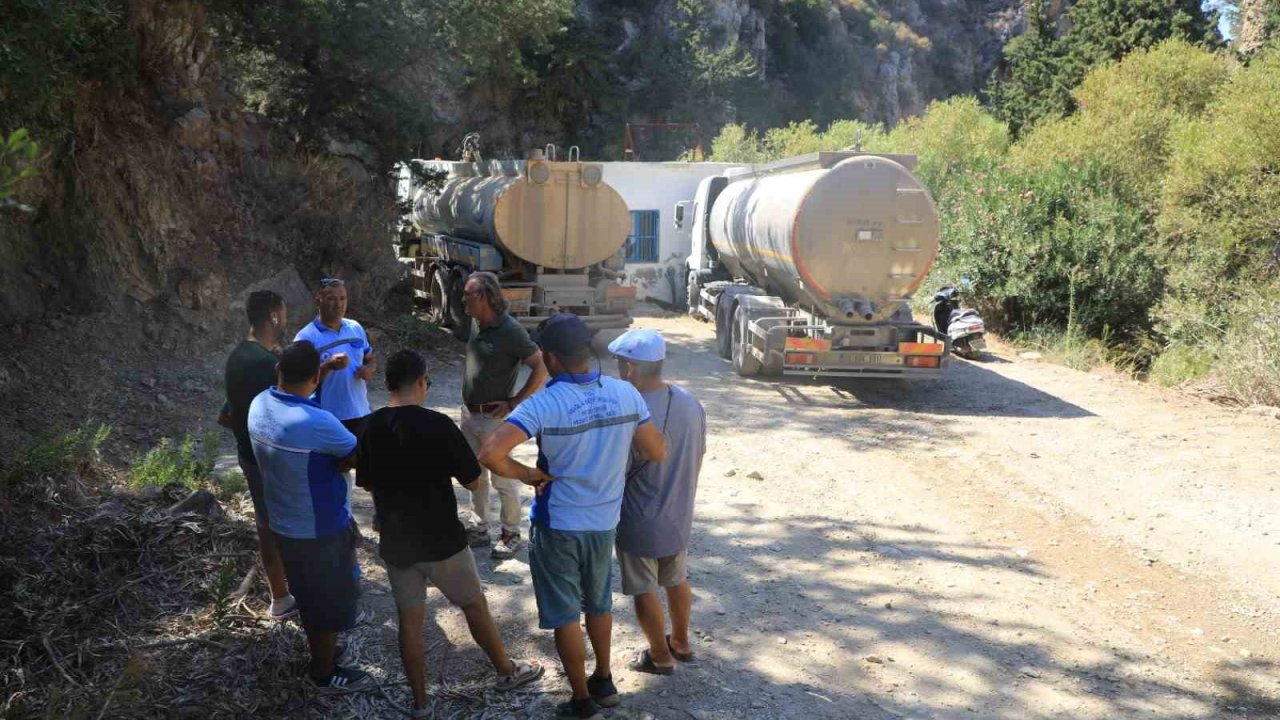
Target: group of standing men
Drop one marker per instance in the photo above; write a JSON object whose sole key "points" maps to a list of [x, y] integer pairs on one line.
{"points": [[618, 462]]}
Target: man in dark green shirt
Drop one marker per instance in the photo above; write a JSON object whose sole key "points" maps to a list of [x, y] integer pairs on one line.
{"points": [[251, 369], [495, 352]]}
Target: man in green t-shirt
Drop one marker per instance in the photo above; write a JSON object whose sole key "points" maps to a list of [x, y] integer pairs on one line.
{"points": [[495, 352]]}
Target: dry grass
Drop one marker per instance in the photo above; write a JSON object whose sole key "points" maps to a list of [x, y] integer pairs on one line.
{"points": [[112, 607]]}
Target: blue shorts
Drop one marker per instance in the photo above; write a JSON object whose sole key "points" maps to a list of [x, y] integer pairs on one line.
{"points": [[324, 576], [572, 573]]}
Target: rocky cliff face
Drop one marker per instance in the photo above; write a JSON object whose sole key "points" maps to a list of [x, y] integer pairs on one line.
{"points": [[877, 60]]}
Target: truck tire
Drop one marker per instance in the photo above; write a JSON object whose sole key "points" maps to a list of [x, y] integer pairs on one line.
{"points": [[457, 311], [693, 290], [744, 362], [724, 333], [438, 299]]}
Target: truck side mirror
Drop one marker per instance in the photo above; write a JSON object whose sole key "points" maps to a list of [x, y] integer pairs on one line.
{"points": [[679, 214]]}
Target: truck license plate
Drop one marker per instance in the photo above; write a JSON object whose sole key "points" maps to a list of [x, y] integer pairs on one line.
{"points": [[856, 358]]}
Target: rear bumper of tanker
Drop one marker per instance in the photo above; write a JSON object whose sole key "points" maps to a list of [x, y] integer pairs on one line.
{"points": [[925, 356]]}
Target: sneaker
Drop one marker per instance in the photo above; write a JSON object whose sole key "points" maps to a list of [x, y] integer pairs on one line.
{"points": [[343, 678], [507, 547], [284, 608], [584, 709], [478, 536], [603, 691]]}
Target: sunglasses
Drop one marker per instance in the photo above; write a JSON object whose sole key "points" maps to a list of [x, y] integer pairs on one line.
{"points": [[331, 282]]}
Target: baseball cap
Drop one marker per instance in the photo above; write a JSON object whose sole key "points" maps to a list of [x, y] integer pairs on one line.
{"points": [[562, 334], [641, 345]]}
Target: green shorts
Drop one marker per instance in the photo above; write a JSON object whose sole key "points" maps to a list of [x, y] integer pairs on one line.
{"points": [[572, 571]]}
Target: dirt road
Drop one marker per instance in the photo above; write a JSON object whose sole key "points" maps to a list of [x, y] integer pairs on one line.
{"points": [[1018, 540]]}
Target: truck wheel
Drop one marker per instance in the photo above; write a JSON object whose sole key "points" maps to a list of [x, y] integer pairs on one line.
{"points": [[438, 299], [724, 335], [743, 361], [457, 311]]}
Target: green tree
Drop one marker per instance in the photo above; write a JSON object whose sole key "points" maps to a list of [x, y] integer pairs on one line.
{"points": [[1040, 68], [341, 71], [51, 49], [1128, 111]]}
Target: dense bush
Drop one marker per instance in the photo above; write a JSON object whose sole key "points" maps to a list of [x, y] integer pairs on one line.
{"points": [[1063, 246], [1220, 211], [1127, 113], [1041, 67]]}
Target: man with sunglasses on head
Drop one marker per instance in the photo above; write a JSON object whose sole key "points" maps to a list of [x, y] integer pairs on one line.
{"points": [[495, 352], [345, 353]]}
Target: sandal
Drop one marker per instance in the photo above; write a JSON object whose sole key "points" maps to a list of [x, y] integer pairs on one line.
{"points": [[643, 662], [685, 657], [522, 673]]}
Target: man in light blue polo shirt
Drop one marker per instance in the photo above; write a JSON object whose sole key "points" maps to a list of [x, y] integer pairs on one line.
{"points": [[586, 425], [345, 353], [301, 449]]}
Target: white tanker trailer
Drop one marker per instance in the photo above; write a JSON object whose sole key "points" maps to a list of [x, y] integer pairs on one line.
{"points": [[807, 265], [551, 231]]}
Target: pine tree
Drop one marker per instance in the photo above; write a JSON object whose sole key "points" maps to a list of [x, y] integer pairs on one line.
{"points": [[1041, 67]]}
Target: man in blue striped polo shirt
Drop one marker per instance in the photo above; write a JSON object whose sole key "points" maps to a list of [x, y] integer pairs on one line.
{"points": [[586, 425], [301, 450], [347, 356]]}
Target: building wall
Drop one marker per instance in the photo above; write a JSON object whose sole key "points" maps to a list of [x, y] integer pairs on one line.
{"points": [[659, 186]]}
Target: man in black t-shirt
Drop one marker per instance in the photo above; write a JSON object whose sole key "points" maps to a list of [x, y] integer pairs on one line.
{"points": [[251, 369], [409, 458]]}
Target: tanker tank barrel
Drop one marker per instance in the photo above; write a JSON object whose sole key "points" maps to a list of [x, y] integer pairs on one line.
{"points": [[849, 235]]}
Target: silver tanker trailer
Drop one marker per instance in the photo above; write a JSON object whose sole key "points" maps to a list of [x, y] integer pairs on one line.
{"points": [[551, 231], [807, 265]]}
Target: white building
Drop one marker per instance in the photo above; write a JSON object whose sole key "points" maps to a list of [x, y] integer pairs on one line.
{"points": [[656, 250]]}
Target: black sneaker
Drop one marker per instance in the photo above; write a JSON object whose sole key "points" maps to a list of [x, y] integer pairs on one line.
{"points": [[343, 678], [584, 709], [603, 691]]}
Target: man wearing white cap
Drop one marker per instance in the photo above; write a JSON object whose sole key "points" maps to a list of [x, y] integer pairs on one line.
{"points": [[657, 505]]}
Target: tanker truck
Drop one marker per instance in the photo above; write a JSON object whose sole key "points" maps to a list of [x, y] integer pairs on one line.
{"points": [[551, 231], [807, 265]]}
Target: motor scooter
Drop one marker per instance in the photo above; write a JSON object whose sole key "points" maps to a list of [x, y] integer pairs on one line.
{"points": [[962, 325]]}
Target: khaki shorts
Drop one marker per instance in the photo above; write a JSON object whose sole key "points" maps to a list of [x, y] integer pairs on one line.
{"points": [[642, 575], [456, 577]]}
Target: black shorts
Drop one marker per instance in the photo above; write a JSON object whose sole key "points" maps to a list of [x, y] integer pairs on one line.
{"points": [[325, 578]]}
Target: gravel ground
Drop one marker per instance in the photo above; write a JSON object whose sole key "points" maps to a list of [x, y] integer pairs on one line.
{"points": [[1018, 540]]}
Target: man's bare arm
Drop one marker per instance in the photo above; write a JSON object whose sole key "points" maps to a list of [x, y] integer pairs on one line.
{"points": [[650, 443], [367, 368], [495, 454], [537, 378]]}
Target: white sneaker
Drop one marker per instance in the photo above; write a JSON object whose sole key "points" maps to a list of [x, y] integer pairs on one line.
{"points": [[284, 608]]}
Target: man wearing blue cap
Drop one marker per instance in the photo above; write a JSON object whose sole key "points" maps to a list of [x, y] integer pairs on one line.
{"points": [[586, 425], [657, 508]]}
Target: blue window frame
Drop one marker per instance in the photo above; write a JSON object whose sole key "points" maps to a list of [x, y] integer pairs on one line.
{"points": [[642, 243]]}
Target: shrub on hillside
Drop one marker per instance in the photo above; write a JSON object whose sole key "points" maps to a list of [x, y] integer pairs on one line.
{"points": [[1128, 111], [1062, 246], [951, 137], [1248, 366], [1220, 211]]}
